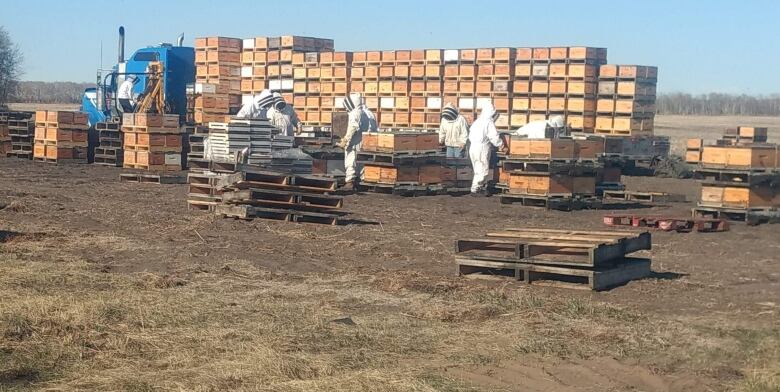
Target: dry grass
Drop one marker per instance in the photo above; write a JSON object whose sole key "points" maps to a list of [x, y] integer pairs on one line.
{"points": [[67, 325]]}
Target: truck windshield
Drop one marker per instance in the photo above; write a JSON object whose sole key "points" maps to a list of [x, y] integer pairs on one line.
{"points": [[146, 56]]}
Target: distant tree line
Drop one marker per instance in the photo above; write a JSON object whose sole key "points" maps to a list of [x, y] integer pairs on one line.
{"points": [[10, 66], [714, 104], [49, 92]]}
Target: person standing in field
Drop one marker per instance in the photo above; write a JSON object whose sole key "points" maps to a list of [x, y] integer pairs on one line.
{"points": [[482, 134], [361, 119], [453, 131]]}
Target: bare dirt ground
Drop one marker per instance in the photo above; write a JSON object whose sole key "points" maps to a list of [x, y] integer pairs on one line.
{"points": [[709, 128], [117, 286]]}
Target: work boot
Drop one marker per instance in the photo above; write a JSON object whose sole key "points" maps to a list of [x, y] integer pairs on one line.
{"points": [[348, 186]]}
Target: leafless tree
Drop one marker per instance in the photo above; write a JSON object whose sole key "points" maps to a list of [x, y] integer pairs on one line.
{"points": [[49, 92], [10, 66], [714, 104]]}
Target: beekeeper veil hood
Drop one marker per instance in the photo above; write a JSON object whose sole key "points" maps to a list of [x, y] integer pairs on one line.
{"points": [[279, 102], [265, 99], [487, 110], [352, 101], [449, 112], [557, 122]]}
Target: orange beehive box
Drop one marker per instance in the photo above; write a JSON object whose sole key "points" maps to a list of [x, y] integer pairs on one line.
{"points": [[589, 148], [693, 156], [371, 173], [694, 144], [430, 174], [740, 197], [542, 148], [393, 175], [551, 184], [740, 156]]}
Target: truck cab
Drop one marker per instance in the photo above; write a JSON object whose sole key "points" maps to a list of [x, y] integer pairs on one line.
{"points": [[178, 62]]}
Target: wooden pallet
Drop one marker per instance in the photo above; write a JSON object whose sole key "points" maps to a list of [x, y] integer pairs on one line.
{"points": [[251, 212], [751, 216], [732, 177], [550, 246], [616, 274], [666, 223], [152, 178], [398, 158], [561, 203], [57, 161], [255, 178], [572, 168], [643, 197], [406, 189], [280, 198]]}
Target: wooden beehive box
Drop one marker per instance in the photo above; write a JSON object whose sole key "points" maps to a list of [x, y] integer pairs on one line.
{"points": [[397, 142], [741, 157], [402, 174], [589, 148], [542, 148], [740, 197], [549, 185], [372, 173]]}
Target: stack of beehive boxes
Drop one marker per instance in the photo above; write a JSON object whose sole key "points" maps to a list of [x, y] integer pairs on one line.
{"points": [[364, 78], [626, 104], [271, 63], [741, 182], [335, 72], [393, 89], [426, 80], [397, 159], [218, 78], [556, 81], [152, 142], [541, 172], [60, 136]]}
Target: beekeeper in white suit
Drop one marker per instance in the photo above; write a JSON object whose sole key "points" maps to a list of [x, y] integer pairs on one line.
{"points": [[482, 134], [282, 116], [258, 108], [360, 120], [553, 128], [125, 96], [453, 131]]}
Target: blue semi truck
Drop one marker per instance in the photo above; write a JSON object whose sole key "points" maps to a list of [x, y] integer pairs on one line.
{"points": [[178, 61]]}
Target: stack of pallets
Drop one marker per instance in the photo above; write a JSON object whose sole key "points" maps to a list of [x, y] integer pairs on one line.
{"points": [[595, 260], [556, 81], [109, 150], [202, 180], [552, 173], [401, 162], [196, 135], [741, 182], [227, 139], [152, 142], [21, 130], [5, 137], [252, 192], [626, 104], [60, 137], [218, 77]]}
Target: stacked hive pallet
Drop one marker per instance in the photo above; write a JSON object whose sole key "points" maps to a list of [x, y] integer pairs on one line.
{"points": [[109, 150], [738, 136], [60, 136], [218, 77], [402, 162], [335, 71], [426, 81], [5, 137], [202, 183], [255, 193], [567, 258], [552, 173], [269, 63], [152, 142], [195, 138], [475, 75], [392, 88], [626, 104], [556, 81], [364, 78], [228, 139], [741, 183], [21, 131]]}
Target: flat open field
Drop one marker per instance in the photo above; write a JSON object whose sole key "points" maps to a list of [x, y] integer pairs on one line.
{"points": [[106, 285], [709, 128]]}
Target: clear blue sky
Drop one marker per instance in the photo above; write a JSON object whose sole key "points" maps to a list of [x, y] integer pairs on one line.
{"points": [[699, 46]]}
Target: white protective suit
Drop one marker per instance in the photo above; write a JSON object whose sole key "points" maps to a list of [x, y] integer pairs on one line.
{"points": [[482, 134], [283, 116], [453, 133], [360, 120], [126, 89], [538, 129], [258, 108]]}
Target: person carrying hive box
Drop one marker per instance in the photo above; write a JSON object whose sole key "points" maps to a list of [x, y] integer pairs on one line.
{"points": [[283, 116], [482, 134], [453, 131], [360, 120], [553, 128]]}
